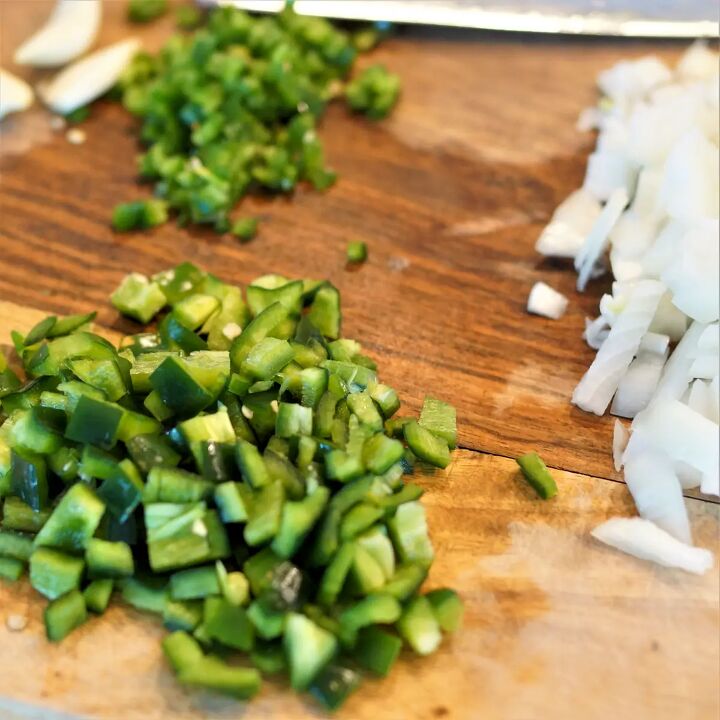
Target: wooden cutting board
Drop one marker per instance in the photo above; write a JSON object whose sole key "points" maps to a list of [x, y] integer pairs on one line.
{"points": [[555, 622], [450, 194]]}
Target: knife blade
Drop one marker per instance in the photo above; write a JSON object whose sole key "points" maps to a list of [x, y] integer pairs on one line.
{"points": [[629, 18]]}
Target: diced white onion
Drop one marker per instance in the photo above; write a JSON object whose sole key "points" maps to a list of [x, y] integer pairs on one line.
{"points": [[597, 239], [655, 343], [647, 541], [620, 441], [709, 340], [682, 434], [596, 332], [600, 382], [656, 490], [570, 223], [638, 385], [698, 63], [656, 166], [704, 366], [676, 375], [694, 278], [545, 301]]}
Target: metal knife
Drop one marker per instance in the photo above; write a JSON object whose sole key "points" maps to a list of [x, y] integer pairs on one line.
{"points": [[630, 18]]}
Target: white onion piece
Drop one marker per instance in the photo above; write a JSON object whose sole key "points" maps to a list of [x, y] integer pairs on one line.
{"points": [[630, 79], [599, 383], [545, 301], [608, 171], [596, 332], [662, 253], [694, 278], [15, 94], [620, 442], [570, 223], [709, 340], [700, 399], [638, 385], [624, 269], [669, 320], [675, 377], [683, 434], [698, 63], [89, 78], [655, 343], [704, 366], [657, 493], [689, 477], [613, 136], [644, 204], [710, 484], [590, 118], [714, 414], [68, 33], [597, 239], [647, 541], [612, 305], [690, 186]]}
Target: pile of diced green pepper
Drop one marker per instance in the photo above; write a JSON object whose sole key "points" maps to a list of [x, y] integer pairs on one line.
{"points": [[233, 107], [239, 471]]}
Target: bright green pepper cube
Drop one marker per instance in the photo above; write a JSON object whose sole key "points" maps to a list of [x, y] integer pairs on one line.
{"points": [[53, 573], [213, 674], [138, 297], [440, 419], [427, 446], [11, 569], [357, 252], [74, 520], [409, 533], [267, 358], [28, 478], [448, 608], [245, 228], [64, 614], [179, 387], [419, 627], [181, 650], [107, 559], [97, 595], [96, 422], [228, 624], [193, 310], [308, 647], [377, 650]]}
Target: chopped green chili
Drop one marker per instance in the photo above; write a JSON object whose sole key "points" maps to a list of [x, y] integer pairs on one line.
{"points": [[245, 228], [374, 92], [249, 491], [142, 11], [537, 475], [357, 252], [233, 107]]}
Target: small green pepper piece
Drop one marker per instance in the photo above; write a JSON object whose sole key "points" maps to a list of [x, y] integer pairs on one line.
{"points": [[537, 475], [357, 252], [245, 228]]}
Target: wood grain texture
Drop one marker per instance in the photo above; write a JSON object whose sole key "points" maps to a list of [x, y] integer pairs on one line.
{"points": [[556, 625], [450, 194]]}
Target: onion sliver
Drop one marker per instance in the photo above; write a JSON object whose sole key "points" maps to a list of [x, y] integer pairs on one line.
{"points": [[657, 493], [647, 541], [600, 382]]}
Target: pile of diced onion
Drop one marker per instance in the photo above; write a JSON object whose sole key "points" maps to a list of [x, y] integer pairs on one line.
{"points": [[650, 204]]}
